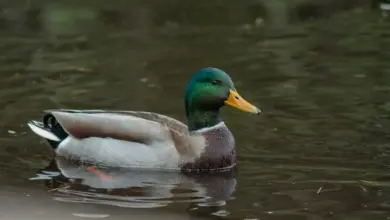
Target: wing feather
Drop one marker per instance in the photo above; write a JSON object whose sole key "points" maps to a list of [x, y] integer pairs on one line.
{"points": [[136, 126]]}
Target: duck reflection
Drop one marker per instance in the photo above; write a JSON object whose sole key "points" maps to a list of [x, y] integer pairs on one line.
{"points": [[71, 182]]}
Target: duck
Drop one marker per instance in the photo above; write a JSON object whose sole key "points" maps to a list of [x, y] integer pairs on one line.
{"points": [[148, 140]]}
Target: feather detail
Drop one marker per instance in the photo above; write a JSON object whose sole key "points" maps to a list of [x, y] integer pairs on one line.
{"points": [[109, 125], [39, 129]]}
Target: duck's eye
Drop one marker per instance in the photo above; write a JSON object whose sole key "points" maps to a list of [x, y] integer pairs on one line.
{"points": [[216, 82]]}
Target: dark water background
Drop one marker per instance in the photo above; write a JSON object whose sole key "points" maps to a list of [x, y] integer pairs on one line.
{"points": [[319, 70]]}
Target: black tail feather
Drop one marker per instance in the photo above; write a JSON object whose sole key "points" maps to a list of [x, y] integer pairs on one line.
{"points": [[50, 122]]}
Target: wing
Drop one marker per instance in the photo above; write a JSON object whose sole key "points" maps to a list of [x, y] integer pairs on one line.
{"points": [[136, 126]]}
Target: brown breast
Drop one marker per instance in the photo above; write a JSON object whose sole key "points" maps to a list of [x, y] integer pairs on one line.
{"points": [[219, 151]]}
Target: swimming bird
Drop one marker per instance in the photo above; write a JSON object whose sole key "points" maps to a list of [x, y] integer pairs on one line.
{"points": [[147, 140]]}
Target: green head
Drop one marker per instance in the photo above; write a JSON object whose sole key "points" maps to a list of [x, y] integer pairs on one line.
{"points": [[208, 91]]}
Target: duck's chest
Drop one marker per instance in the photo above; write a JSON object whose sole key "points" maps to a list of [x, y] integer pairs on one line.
{"points": [[219, 151]]}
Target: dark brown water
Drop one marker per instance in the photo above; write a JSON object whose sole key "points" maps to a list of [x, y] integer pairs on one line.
{"points": [[319, 70]]}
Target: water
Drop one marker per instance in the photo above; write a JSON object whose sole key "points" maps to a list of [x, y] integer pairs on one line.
{"points": [[319, 71]]}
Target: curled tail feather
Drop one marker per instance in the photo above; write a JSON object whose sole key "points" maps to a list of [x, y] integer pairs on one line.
{"points": [[51, 123]]}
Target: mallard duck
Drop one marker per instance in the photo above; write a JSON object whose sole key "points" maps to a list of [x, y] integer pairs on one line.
{"points": [[146, 140]]}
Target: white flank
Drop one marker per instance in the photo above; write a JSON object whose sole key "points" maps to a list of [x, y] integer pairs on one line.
{"points": [[119, 153], [42, 132]]}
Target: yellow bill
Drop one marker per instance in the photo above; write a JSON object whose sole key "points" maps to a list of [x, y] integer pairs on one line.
{"points": [[236, 101]]}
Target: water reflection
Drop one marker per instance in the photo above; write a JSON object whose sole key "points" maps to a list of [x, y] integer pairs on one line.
{"points": [[70, 182]]}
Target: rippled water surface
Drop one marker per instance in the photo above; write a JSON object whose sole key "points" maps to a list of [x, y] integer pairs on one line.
{"points": [[319, 70]]}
